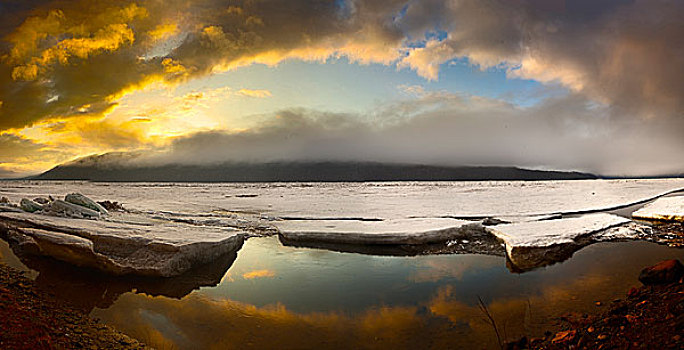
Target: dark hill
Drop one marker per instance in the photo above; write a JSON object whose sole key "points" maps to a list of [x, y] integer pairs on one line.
{"points": [[295, 172]]}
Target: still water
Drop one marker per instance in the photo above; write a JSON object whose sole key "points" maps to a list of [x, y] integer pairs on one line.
{"points": [[276, 296]]}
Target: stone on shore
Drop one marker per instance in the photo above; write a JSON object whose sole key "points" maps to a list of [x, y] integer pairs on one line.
{"points": [[662, 209], [29, 205], [668, 271], [79, 199]]}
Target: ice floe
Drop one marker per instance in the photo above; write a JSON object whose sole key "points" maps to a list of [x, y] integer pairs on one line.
{"points": [[663, 209], [386, 232], [150, 248], [537, 243]]}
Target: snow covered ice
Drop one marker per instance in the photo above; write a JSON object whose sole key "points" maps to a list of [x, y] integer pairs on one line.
{"points": [[172, 227], [141, 248], [394, 231], [663, 209], [531, 244]]}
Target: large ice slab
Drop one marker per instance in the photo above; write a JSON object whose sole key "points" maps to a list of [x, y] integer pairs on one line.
{"points": [[663, 209], [386, 232], [537, 243], [126, 245]]}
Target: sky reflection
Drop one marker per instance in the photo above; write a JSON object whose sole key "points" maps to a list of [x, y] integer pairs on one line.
{"points": [[313, 298]]}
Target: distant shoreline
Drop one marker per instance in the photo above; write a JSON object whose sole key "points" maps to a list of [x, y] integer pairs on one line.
{"points": [[102, 170]]}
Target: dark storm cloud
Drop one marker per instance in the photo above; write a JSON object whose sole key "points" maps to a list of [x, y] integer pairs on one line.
{"points": [[626, 54], [63, 56]]}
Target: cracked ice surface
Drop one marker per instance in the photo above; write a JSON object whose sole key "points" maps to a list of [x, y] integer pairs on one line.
{"points": [[665, 209], [382, 200]]}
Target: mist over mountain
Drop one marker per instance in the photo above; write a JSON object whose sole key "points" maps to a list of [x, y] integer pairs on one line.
{"points": [[117, 167]]}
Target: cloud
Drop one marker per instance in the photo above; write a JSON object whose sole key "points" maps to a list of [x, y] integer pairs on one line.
{"points": [[569, 132], [626, 54], [20, 156], [254, 93], [58, 62], [617, 52]]}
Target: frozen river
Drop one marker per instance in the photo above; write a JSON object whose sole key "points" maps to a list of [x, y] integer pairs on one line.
{"points": [[311, 294]]}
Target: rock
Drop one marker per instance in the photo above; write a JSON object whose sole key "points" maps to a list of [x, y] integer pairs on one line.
{"points": [[62, 208], [565, 336], [79, 199], [29, 205], [668, 271], [4, 200]]}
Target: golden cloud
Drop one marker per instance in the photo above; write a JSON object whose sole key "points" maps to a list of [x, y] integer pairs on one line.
{"points": [[54, 60], [254, 93]]}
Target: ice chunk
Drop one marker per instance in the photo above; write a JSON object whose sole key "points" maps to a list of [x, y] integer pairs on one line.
{"points": [[120, 248], [549, 232], [10, 208], [62, 208], [79, 199], [537, 243], [386, 232], [663, 209], [29, 205]]}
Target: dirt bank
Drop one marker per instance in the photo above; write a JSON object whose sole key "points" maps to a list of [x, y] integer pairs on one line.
{"points": [[650, 317], [31, 318]]}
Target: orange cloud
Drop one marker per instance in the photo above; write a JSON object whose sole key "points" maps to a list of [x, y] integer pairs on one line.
{"points": [[31, 59], [163, 31], [254, 93]]}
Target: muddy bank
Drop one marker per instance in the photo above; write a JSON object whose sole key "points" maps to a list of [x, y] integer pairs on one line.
{"points": [[31, 318], [650, 317]]}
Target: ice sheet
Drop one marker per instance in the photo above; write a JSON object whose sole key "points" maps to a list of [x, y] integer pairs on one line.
{"points": [[197, 219], [663, 209], [537, 243], [147, 247], [396, 231], [386, 200]]}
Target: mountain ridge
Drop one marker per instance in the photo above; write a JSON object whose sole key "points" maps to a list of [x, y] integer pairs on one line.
{"points": [[101, 170]]}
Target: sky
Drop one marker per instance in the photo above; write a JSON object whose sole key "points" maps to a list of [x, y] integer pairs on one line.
{"points": [[588, 85]]}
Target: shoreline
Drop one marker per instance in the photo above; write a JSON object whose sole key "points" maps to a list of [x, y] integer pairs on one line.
{"points": [[32, 318], [648, 317]]}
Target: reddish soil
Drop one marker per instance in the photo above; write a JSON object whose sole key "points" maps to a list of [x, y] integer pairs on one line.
{"points": [[650, 317], [31, 318]]}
